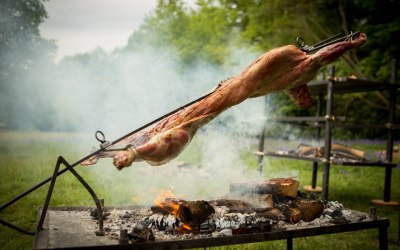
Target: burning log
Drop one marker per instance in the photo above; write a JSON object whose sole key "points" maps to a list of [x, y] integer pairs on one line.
{"points": [[190, 213], [309, 209], [293, 215], [287, 187], [194, 213], [168, 206]]}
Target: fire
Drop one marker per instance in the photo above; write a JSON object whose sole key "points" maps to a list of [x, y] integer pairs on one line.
{"points": [[185, 228], [170, 203], [167, 201]]}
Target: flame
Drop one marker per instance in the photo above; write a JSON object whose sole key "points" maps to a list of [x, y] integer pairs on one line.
{"points": [[170, 203], [184, 228], [167, 201]]}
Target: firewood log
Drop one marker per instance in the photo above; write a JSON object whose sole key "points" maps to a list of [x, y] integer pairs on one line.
{"points": [[292, 214], [168, 206], [234, 206], [194, 213], [279, 186], [309, 209]]}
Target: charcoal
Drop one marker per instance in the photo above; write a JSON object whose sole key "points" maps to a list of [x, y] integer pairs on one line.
{"points": [[207, 226], [339, 220], [127, 215], [194, 213]]}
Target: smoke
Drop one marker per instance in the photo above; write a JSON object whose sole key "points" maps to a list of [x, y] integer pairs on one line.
{"points": [[119, 92], [150, 83]]}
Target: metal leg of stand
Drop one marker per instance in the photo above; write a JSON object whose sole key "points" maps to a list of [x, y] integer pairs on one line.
{"points": [[383, 238], [328, 135], [261, 149], [60, 161], [289, 243], [7, 224], [388, 183], [49, 194], [391, 130], [318, 137], [314, 175]]}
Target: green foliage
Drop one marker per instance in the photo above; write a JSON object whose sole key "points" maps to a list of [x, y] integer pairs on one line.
{"points": [[204, 34], [215, 28], [23, 53]]}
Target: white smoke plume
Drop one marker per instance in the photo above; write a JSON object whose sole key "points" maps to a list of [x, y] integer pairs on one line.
{"points": [[146, 85], [119, 92]]}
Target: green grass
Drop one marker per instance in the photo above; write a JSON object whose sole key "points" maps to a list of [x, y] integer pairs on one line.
{"points": [[27, 158]]}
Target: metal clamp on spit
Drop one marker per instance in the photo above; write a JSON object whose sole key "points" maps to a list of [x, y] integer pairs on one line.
{"points": [[107, 145], [331, 40]]}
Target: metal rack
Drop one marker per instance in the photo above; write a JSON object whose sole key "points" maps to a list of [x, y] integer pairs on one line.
{"points": [[334, 86], [65, 238]]}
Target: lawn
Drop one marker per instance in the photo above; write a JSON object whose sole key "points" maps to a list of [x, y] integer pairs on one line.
{"points": [[28, 158]]}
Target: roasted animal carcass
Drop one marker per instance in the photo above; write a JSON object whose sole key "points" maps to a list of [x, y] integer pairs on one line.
{"points": [[282, 69]]}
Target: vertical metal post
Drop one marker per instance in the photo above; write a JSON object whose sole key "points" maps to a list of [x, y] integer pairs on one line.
{"points": [[289, 243], [97, 201], [261, 142], [328, 134], [318, 137], [49, 194], [383, 238], [261, 149], [390, 138]]}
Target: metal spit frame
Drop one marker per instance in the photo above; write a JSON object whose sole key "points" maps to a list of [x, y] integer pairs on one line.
{"points": [[329, 121], [104, 146]]}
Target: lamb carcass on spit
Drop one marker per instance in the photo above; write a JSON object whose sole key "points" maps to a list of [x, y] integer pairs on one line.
{"points": [[286, 69]]}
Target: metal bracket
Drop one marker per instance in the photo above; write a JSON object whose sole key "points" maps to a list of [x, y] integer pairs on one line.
{"points": [[60, 161], [330, 118], [331, 40]]}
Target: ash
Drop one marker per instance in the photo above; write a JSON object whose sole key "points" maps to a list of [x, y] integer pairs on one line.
{"points": [[334, 213], [165, 227]]}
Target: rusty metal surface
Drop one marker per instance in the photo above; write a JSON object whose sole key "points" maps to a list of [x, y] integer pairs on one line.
{"points": [[348, 85], [334, 161], [64, 230]]}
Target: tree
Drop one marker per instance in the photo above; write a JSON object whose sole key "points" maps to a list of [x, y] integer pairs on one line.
{"points": [[22, 50], [214, 28]]}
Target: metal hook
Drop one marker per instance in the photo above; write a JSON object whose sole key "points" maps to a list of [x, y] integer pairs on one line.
{"points": [[102, 139], [331, 40], [300, 41]]}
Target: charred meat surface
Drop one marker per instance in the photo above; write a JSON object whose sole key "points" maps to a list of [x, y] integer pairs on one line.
{"points": [[282, 69]]}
